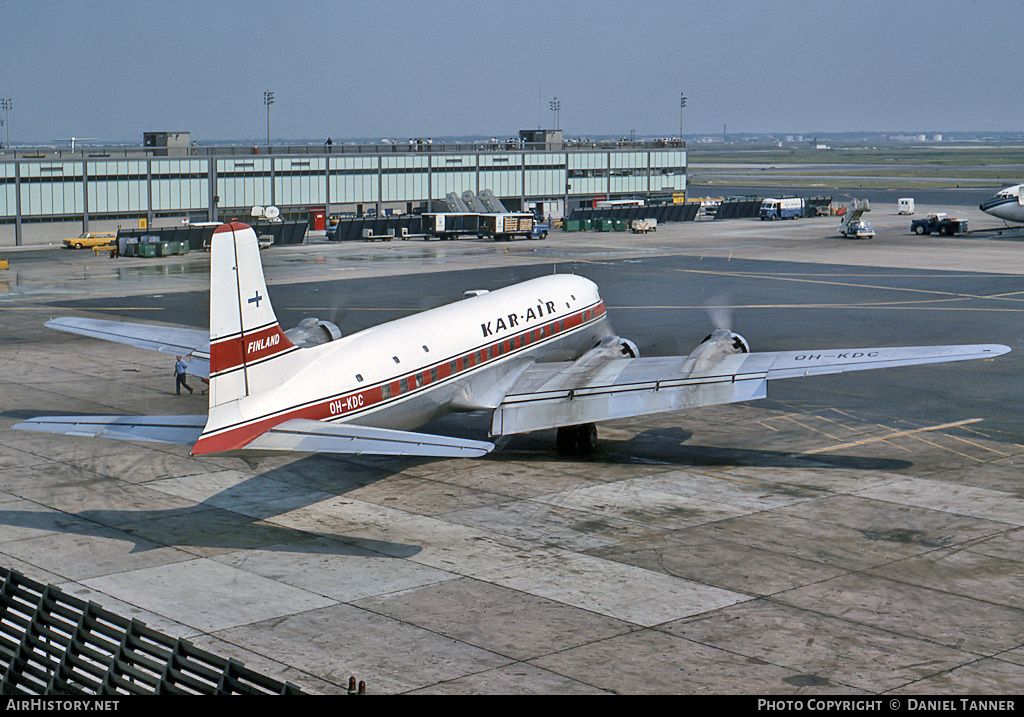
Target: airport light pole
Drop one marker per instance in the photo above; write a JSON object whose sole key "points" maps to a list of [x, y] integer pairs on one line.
{"points": [[7, 105], [682, 104], [268, 99], [556, 107]]}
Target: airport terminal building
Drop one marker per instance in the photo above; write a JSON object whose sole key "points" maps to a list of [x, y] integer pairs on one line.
{"points": [[175, 178]]}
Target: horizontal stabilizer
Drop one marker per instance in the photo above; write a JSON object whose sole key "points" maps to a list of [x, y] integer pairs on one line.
{"points": [[306, 436], [179, 430], [194, 343]]}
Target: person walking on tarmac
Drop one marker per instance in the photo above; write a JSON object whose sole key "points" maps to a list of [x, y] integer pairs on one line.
{"points": [[180, 369]]}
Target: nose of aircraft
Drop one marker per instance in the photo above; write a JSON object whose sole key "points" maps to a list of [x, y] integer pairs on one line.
{"points": [[989, 203]]}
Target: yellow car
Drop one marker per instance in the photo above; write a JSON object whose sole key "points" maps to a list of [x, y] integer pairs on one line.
{"points": [[91, 239]]}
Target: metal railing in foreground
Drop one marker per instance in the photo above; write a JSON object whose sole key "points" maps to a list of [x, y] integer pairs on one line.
{"points": [[52, 643]]}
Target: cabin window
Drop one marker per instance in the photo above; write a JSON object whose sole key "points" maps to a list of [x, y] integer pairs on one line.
{"points": [[403, 385], [359, 377], [433, 374], [385, 391], [454, 367], [419, 380], [426, 350], [395, 359]]}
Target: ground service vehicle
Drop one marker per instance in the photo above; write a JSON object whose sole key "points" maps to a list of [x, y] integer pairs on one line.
{"points": [[857, 229], [504, 227], [851, 225], [940, 224], [449, 225], [787, 208], [642, 226]]}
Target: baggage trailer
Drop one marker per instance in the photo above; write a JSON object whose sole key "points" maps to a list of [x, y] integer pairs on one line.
{"points": [[505, 227], [451, 225]]}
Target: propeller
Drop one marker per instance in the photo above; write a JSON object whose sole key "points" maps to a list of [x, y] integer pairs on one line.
{"points": [[720, 311]]}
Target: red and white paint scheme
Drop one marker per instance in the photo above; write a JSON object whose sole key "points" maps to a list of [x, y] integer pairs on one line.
{"points": [[536, 355]]}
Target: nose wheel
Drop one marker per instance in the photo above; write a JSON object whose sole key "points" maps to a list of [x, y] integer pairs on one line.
{"points": [[577, 440]]}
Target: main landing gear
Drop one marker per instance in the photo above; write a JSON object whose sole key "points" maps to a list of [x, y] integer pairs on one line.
{"points": [[577, 440]]}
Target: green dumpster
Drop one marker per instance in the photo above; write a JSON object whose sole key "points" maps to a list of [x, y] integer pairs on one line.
{"points": [[147, 249]]}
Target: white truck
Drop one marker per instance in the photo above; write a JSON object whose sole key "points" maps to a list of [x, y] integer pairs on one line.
{"points": [[786, 208]]}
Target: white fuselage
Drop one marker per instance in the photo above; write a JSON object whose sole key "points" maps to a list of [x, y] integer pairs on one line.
{"points": [[408, 372], [1008, 204]]}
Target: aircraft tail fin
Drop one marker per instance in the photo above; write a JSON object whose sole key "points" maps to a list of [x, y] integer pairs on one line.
{"points": [[245, 336]]}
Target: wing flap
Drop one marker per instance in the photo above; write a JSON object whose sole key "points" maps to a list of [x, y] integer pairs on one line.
{"points": [[194, 343], [179, 430], [308, 436]]}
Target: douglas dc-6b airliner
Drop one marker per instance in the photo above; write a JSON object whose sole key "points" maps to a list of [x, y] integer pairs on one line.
{"points": [[537, 355]]}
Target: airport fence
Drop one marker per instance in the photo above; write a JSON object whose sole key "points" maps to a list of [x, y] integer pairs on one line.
{"points": [[198, 236], [663, 213]]}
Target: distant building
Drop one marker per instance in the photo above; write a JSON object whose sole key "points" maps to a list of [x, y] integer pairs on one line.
{"points": [[541, 138], [173, 143]]}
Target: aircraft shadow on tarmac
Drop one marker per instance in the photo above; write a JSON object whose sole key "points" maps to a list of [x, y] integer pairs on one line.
{"points": [[669, 446], [236, 518]]}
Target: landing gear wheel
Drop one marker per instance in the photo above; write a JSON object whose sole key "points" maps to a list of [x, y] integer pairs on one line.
{"points": [[577, 440], [586, 438]]}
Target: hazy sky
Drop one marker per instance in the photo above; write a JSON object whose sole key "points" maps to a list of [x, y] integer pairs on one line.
{"points": [[399, 69]]}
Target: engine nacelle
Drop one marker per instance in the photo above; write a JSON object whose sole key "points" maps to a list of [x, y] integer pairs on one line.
{"points": [[713, 350], [611, 347], [313, 332], [727, 341]]}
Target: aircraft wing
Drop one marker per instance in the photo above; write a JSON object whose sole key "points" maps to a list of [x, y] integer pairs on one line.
{"points": [[308, 436], [180, 430], [552, 395], [193, 343]]}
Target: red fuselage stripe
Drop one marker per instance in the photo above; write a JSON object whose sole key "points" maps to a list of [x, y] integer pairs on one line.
{"points": [[331, 408]]}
